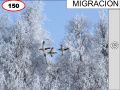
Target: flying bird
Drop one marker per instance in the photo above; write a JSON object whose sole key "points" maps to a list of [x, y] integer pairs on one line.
{"points": [[43, 48], [62, 49], [51, 52]]}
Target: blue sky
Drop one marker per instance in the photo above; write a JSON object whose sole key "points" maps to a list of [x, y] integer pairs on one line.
{"points": [[58, 16]]}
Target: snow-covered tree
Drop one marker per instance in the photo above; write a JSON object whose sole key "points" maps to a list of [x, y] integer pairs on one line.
{"points": [[7, 64], [85, 65], [80, 43], [101, 51], [30, 35], [23, 66]]}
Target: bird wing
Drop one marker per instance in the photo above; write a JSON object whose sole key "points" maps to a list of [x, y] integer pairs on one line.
{"points": [[47, 48], [51, 50], [43, 44], [66, 48]]}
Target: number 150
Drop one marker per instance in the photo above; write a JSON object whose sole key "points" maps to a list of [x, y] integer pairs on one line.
{"points": [[13, 5]]}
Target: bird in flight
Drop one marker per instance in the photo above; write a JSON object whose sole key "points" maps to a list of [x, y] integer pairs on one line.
{"points": [[51, 52], [43, 48], [62, 49]]}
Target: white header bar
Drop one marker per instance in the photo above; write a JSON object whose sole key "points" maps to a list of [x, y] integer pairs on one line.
{"points": [[93, 4]]}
